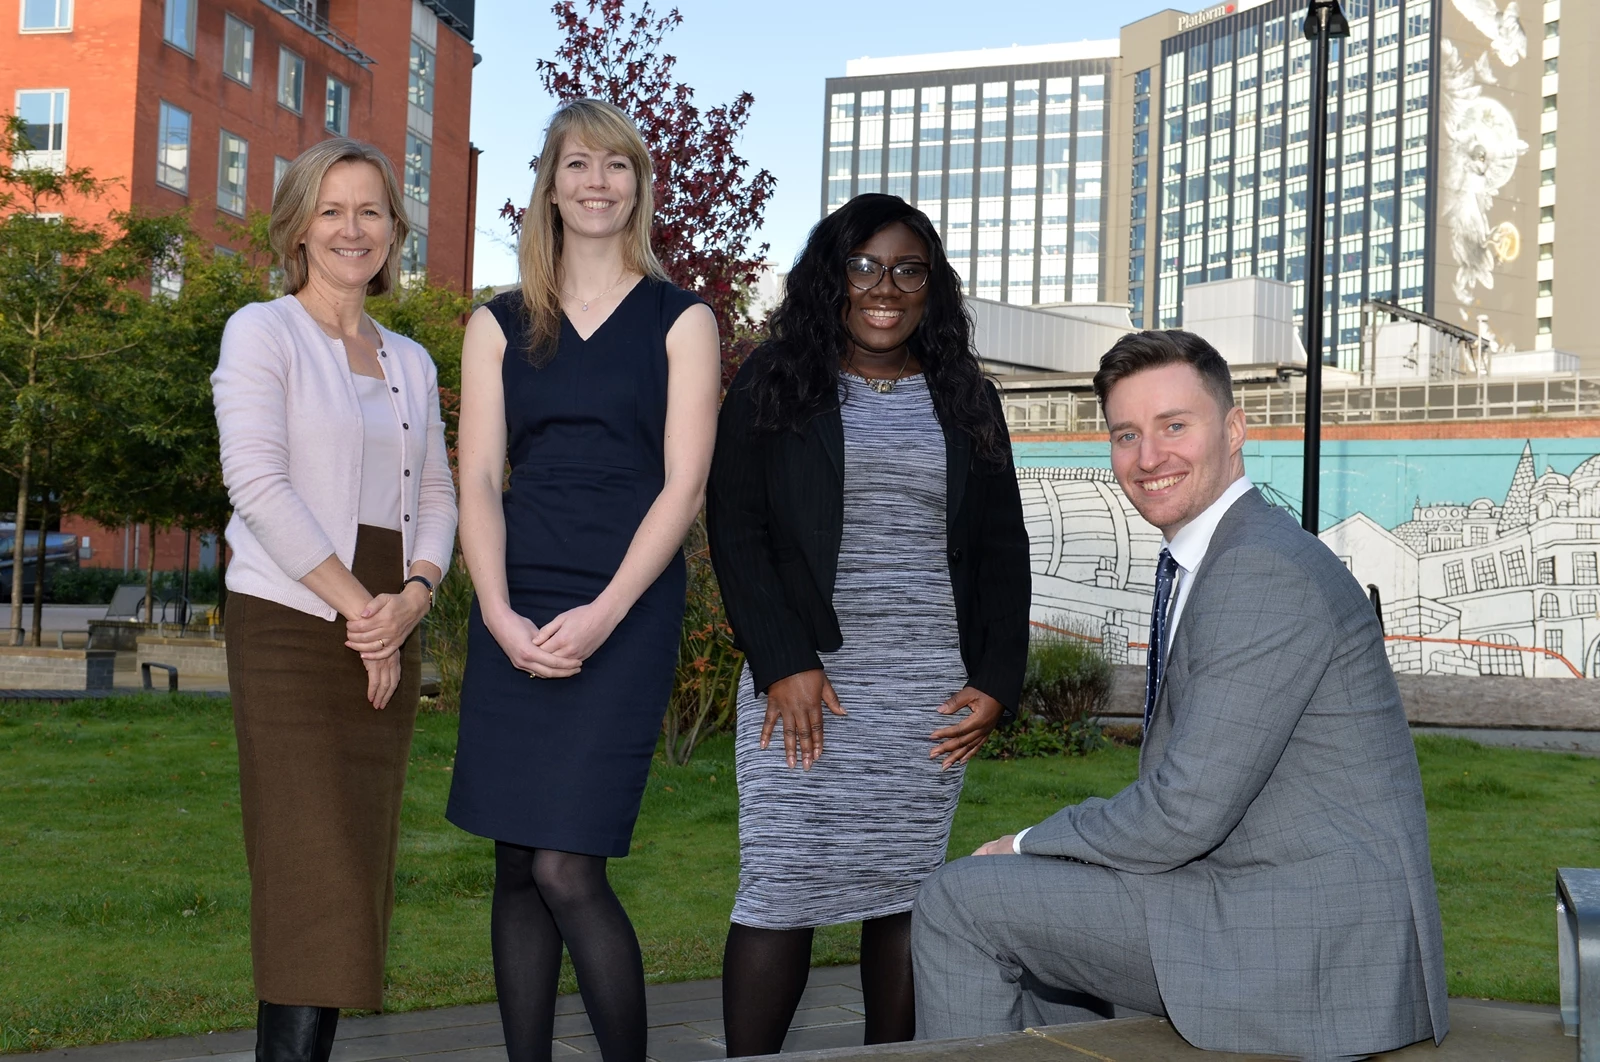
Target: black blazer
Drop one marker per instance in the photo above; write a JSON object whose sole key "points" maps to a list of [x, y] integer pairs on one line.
{"points": [[775, 517]]}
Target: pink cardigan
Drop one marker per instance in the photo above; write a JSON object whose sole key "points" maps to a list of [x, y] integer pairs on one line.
{"points": [[290, 422]]}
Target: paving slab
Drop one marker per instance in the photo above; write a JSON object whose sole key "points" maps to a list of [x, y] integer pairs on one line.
{"points": [[686, 1026]]}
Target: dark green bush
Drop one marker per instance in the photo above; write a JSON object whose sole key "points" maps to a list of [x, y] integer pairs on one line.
{"points": [[94, 586], [1068, 680], [1067, 685]]}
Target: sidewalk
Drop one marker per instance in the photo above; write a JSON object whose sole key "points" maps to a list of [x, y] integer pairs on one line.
{"points": [[686, 1026]]}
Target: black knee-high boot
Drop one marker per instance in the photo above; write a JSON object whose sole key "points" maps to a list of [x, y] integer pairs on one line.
{"points": [[294, 1034]]}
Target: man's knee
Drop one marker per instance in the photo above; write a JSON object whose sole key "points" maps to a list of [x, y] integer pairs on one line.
{"points": [[943, 897]]}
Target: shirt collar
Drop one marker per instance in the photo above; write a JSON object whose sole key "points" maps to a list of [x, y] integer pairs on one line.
{"points": [[1188, 547]]}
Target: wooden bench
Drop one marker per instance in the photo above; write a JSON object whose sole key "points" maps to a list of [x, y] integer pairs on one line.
{"points": [[1578, 948]]}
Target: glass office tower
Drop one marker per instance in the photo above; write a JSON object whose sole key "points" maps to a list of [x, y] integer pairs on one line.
{"points": [[1004, 151]]}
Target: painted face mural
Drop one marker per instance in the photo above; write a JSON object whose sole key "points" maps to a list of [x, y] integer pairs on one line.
{"points": [[1480, 148]]}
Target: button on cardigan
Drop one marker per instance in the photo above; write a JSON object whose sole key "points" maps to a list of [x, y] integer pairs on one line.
{"points": [[291, 430]]}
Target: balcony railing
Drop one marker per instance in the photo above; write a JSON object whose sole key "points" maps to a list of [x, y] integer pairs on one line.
{"points": [[1276, 405], [307, 15]]}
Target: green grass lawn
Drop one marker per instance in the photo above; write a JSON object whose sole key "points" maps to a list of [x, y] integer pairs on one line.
{"points": [[123, 897]]}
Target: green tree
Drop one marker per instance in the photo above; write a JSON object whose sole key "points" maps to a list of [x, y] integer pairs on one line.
{"points": [[64, 288], [152, 458]]}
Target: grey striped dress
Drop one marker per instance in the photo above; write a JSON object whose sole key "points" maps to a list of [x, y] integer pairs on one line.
{"points": [[855, 836]]}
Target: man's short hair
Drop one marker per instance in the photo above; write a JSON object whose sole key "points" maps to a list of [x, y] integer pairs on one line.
{"points": [[1138, 351]]}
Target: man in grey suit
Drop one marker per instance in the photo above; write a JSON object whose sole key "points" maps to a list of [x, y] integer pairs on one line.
{"points": [[1265, 883]]}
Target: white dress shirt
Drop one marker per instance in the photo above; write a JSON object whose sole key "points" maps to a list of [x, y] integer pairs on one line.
{"points": [[1188, 547]]}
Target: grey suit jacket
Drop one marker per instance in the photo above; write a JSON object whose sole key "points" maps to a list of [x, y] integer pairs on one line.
{"points": [[1276, 833]]}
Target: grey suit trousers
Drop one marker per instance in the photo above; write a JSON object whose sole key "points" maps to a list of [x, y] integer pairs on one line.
{"points": [[1004, 942]]}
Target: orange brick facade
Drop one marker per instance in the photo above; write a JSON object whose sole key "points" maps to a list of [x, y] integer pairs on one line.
{"points": [[118, 69]]}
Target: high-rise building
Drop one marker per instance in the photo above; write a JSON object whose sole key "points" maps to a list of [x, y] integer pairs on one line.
{"points": [[1441, 178], [1004, 150], [202, 104]]}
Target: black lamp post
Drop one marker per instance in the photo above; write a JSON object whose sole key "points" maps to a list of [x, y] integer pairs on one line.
{"points": [[1324, 22]]}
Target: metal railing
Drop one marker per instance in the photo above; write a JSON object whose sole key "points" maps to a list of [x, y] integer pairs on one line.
{"points": [[1276, 405], [308, 15]]}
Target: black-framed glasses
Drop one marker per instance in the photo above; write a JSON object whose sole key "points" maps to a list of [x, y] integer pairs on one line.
{"points": [[867, 273]]}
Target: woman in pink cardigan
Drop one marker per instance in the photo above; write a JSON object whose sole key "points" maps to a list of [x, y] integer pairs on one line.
{"points": [[344, 516]]}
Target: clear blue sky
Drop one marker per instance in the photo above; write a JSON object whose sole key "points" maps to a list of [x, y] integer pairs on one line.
{"points": [[781, 52]]}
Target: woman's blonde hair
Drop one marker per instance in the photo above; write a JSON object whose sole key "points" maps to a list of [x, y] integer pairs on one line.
{"points": [[295, 204], [602, 127]]}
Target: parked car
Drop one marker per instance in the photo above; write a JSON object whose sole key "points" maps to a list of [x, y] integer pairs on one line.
{"points": [[60, 551]]}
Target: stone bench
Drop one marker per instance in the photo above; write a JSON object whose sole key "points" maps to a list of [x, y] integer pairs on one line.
{"points": [[1578, 955], [191, 656], [28, 668]]}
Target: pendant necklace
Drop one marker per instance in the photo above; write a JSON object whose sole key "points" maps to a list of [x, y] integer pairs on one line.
{"points": [[592, 298], [882, 386]]}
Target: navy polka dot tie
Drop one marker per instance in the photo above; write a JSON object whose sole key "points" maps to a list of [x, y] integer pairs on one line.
{"points": [[1166, 572]]}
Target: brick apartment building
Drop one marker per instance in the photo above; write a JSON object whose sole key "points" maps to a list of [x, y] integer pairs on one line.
{"points": [[202, 104]]}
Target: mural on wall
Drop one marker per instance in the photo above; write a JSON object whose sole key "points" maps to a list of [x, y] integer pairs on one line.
{"points": [[1469, 587], [1480, 148]]}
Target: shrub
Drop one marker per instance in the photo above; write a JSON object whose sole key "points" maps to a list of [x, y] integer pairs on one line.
{"points": [[706, 689], [444, 633], [1066, 686], [1067, 681], [94, 586]]}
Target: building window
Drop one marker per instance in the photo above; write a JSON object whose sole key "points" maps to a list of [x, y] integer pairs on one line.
{"points": [[1455, 579], [45, 16], [1547, 571], [1549, 103], [172, 149], [1585, 604], [280, 166], [178, 28], [419, 163], [1547, 288], [1516, 567], [44, 129], [1552, 641], [1486, 574], [414, 256], [421, 89], [238, 50], [166, 279], [1549, 607], [291, 80], [1584, 572], [338, 117], [1545, 326], [233, 163]]}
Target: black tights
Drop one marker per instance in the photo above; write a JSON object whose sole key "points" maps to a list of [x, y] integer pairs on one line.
{"points": [[542, 899], [764, 973]]}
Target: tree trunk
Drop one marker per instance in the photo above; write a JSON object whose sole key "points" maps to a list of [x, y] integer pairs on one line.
{"points": [[150, 578], [17, 553], [38, 571]]}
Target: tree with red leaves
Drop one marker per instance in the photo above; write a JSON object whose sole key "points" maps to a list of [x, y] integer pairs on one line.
{"points": [[706, 207]]}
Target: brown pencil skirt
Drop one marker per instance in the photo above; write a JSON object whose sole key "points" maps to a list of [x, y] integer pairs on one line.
{"points": [[321, 774]]}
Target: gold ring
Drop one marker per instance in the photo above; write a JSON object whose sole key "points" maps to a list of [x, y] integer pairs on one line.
{"points": [[382, 644]]}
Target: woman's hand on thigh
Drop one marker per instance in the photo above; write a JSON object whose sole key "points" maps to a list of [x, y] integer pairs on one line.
{"points": [[797, 701], [960, 742]]}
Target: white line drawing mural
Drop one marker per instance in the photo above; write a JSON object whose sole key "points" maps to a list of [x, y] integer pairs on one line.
{"points": [[1479, 149], [1468, 588]]}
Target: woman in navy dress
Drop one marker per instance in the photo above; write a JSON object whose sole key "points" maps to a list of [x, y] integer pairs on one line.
{"points": [[598, 381]]}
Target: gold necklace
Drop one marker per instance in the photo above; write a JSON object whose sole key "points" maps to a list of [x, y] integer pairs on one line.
{"points": [[882, 386], [592, 298]]}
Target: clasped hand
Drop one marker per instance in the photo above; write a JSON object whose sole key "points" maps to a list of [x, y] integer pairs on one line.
{"points": [[384, 625], [559, 648]]}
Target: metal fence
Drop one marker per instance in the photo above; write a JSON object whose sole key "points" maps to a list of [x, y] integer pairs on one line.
{"points": [[1275, 404]]}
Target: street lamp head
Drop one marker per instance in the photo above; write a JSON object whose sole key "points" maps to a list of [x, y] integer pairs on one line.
{"points": [[1326, 12]]}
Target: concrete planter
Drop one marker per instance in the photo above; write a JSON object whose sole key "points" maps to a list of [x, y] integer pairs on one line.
{"points": [[25, 668], [191, 656]]}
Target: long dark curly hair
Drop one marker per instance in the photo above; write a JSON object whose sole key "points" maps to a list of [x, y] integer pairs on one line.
{"points": [[795, 372]]}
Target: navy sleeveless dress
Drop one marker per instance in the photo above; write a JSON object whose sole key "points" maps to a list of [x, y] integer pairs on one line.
{"points": [[562, 763]]}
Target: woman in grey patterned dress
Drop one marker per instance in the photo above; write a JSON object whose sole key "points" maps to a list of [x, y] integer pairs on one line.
{"points": [[867, 532]]}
